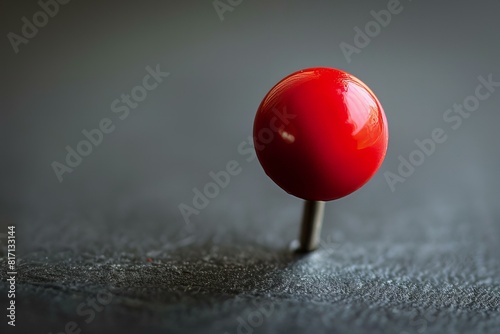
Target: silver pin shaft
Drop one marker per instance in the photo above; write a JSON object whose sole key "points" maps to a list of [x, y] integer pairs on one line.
{"points": [[311, 225]]}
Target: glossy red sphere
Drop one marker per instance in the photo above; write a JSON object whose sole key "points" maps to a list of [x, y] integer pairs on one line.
{"points": [[320, 134]]}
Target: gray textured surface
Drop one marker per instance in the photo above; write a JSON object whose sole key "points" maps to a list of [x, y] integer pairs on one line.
{"points": [[197, 281], [421, 259]]}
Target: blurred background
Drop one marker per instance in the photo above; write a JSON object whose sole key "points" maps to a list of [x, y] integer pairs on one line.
{"points": [[222, 59], [65, 78]]}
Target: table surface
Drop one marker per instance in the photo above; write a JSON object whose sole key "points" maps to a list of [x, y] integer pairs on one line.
{"points": [[420, 259], [205, 283]]}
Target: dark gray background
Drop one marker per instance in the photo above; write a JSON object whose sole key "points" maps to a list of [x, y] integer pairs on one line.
{"points": [[422, 259]]}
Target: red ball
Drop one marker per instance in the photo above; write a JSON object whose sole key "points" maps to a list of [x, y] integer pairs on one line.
{"points": [[320, 134]]}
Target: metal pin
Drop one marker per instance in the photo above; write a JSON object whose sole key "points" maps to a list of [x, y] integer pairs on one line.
{"points": [[312, 220]]}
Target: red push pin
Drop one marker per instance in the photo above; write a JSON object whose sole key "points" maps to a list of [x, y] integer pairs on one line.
{"points": [[329, 138]]}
